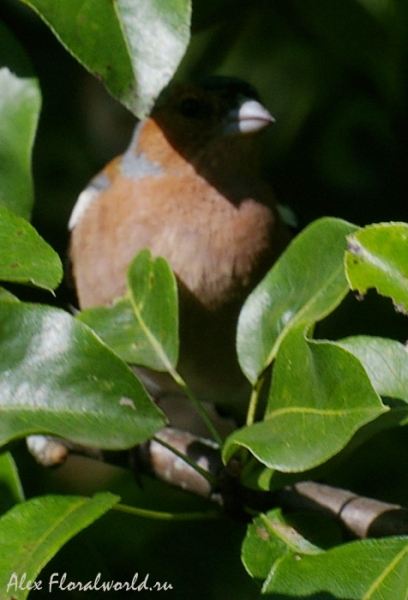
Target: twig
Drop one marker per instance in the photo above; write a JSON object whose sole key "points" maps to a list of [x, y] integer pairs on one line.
{"points": [[361, 516], [157, 459]]}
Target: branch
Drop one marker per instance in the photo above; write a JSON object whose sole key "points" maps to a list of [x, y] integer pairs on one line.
{"points": [[362, 517]]}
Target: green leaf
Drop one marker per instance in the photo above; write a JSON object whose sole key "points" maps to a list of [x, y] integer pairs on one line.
{"points": [[6, 296], [320, 396], [10, 485], [143, 327], [24, 256], [292, 567], [118, 327], [12, 54], [153, 294], [386, 363], [268, 539], [20, 103], [56, 377], [134, 46], [361, 570], [377, 257], [33, 532], [305, 285]]}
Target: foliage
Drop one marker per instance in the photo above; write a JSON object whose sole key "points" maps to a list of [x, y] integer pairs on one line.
{"points": [[338, 382]]}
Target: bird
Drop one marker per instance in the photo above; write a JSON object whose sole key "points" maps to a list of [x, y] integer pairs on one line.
{"points": [[189, 187]]}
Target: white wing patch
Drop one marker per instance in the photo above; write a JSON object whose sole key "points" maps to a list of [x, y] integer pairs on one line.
{"points": [[98, 184]]}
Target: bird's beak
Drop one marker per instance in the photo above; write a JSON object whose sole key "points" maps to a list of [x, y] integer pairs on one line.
{"points": [[248, 118]]}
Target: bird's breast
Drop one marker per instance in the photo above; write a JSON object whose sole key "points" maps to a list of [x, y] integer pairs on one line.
{"points": [[215, 244]]}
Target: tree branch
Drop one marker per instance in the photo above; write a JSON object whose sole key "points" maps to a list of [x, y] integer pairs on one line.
{"points": [[362, 517]]}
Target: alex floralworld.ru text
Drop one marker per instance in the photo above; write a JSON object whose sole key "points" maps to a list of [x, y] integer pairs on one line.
{"points": [[56, 582]]}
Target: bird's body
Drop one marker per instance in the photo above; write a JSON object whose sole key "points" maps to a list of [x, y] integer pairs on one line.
{"points": [[189, 188]]}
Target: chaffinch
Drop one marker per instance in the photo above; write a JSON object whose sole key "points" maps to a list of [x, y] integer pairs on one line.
{"points": [[188, 187]]}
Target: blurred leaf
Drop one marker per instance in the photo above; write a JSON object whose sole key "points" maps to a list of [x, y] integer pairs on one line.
{"points": [[305, 285], [361, 570], [377, 257], [320, 396], [134, 46], [340, 29], [386, 362], [56, 377], [12, 54], [31, 533], [359, 130], [11, 491], [24, 256], [209, 12], [20, 103], [378, 8], [142, 328]]}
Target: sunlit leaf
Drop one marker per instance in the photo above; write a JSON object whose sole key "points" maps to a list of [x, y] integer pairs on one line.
{"points": [[386, 362], [134, 46], [305, 285], [320, 396], [56, 377], [377, 258]]}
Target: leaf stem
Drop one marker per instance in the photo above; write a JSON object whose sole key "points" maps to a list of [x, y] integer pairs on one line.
{"points": [[199, 407], [254, 399], [170, 368], [167, 516]]}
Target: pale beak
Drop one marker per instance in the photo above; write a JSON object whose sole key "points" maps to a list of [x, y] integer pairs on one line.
{"points": [[248, 118]]}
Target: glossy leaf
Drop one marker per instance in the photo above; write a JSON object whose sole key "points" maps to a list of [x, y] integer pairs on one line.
{"points": [[134, 46], [24, 256], [56, 377], [361, 570], [142, 328], [305, 285], [31, 533], [386, 362], [320, 396], [20, 103], [377, 257]]}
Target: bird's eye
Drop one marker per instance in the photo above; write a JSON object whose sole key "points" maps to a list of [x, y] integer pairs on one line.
{"points": [[191, 108]]}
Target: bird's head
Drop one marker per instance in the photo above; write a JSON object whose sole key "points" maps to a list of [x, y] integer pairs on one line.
{"points": [[211, 124]]}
